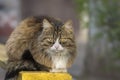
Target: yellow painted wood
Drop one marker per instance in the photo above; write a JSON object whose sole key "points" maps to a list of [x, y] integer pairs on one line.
{"points": [[31, 75]]}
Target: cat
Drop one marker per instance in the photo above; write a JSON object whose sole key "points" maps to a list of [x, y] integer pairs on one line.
{"points": [[40, 44]]}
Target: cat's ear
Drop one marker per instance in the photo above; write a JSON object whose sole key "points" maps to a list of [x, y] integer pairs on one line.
{"points": [[68, 24], [46, 24]]}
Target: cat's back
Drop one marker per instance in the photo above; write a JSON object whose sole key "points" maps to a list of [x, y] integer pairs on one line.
{"points": [[30, 26], [27, 30]]}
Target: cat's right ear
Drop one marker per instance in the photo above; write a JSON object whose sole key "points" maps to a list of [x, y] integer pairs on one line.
{"points": [[46, 24]]}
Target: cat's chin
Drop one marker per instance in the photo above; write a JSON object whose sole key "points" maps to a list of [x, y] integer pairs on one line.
{"points": [[57, 52]]}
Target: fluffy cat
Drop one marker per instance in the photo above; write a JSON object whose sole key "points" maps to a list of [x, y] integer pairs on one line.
{"points": [[40, 44]]}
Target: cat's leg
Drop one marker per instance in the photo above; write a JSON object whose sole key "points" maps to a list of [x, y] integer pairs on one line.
{"points": [[58, 70], [15, 67]]}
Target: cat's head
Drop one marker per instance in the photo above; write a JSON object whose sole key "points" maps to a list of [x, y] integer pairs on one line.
{"points": [[57, 40]]}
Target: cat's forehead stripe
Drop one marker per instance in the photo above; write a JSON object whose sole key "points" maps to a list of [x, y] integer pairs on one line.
{"points": [[56, 33]]}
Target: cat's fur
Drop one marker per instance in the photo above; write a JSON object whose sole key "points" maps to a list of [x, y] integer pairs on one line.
{"points": [[33, 46]]}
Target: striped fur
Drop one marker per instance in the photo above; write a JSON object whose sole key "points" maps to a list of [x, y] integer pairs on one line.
{"points": [[27, 45]]}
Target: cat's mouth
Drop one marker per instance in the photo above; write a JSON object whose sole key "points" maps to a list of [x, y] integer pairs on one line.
{"points": [[57, 51]]}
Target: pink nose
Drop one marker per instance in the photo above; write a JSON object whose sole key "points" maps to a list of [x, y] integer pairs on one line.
{"points": [[57, 46]]}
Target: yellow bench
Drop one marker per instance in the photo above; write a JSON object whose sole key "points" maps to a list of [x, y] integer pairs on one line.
{"points": [[30, 75]]}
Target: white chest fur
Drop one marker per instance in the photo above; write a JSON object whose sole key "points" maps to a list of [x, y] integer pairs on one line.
{"points": [[59, 57], [59, 62]]}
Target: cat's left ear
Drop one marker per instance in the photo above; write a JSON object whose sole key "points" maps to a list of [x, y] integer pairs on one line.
{"points": [[46, 24], [69, 24]]}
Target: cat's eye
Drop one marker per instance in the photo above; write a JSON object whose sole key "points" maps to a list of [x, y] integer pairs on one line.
{"points": [[49, 39], [50, 42], [63, 39], [66, 41]]}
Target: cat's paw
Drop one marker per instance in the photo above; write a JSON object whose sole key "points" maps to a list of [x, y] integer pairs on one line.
{"points": [[58, 70]]}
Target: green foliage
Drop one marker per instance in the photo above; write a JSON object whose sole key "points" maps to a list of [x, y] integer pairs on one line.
{"points": [[81, 5], [109, 19], [98, 35], [82, 9], [108, 23]]}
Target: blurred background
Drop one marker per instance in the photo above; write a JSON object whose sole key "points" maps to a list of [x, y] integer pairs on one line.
{"points": [[97, 30]]}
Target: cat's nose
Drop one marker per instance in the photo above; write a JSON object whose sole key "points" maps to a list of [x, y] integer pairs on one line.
{"points": [[56, 46]]}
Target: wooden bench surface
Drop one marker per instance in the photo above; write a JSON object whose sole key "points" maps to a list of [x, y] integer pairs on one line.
{"points": [[34, 75]]}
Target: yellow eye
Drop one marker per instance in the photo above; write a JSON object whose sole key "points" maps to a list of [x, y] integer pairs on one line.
{"points": [[63, 40], [49, 39]]}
